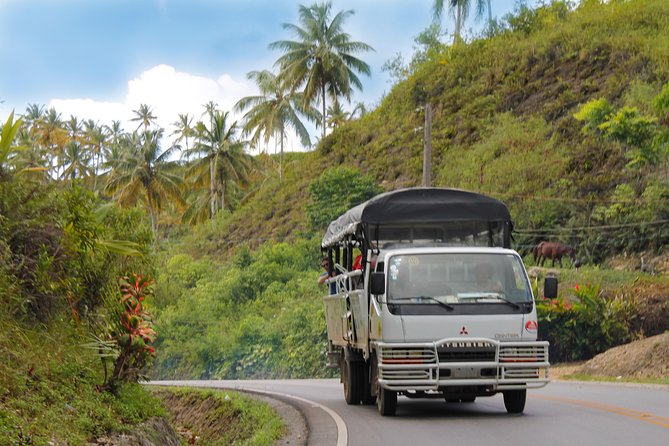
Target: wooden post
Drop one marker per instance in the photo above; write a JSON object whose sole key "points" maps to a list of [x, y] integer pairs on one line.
{"points": [[427, 147]]}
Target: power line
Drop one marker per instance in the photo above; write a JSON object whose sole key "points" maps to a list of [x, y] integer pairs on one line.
{"points": [[588, 228]]}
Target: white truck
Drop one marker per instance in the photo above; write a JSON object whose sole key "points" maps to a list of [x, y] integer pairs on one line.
{"points": [[440, 306]]}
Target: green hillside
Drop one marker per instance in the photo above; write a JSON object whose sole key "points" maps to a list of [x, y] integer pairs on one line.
{"points": [[238, 297], [504, 125]]}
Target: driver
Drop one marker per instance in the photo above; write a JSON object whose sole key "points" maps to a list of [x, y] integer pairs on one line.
{"points": [[484, 279]]}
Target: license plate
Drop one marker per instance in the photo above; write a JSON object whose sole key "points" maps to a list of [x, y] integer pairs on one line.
{"points": [[465, 372]]}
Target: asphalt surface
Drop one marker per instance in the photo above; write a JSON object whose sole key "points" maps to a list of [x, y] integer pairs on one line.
{"points": [[563, 413]]}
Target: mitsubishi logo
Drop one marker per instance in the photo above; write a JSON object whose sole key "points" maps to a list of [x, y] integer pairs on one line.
{"points": [[463, 330]]}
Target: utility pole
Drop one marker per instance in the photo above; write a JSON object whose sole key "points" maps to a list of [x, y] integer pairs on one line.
{"points": [[427, 147]]}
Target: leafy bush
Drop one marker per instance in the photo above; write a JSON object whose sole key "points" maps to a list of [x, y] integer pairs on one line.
{"points": [[133, 332], [590, 325], [259, 315], [594, 113], [336, 191], [661, 102]]}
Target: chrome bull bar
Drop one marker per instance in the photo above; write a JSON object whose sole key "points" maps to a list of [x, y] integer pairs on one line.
{"points": [[462, 362]]}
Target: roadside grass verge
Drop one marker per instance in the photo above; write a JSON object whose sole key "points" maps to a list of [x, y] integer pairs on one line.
{"points": [[221, 417], [613, 379], [49, 389]]}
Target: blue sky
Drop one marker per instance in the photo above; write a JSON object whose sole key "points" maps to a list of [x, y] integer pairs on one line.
{"points": [[100, 59]]}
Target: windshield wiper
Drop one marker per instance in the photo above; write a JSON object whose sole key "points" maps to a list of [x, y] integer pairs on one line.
{"points": [[505, 300], [433, 299]]}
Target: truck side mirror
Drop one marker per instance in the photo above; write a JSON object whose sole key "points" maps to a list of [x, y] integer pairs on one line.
{"points": [[550, 287], [378, 283]]}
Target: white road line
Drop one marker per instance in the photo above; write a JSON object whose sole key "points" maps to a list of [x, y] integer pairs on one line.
{"points": [[342, 431]]}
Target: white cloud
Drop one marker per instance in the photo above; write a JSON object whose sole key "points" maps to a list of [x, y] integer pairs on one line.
{"points": [[102, 112], [167, 92]]}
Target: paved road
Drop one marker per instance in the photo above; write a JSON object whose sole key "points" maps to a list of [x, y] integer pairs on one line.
{"points": [[563, 413]]}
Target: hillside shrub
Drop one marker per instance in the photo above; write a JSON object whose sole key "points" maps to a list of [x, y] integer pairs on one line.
{"points": [[336, 191], [589, 325], [258, 316]]}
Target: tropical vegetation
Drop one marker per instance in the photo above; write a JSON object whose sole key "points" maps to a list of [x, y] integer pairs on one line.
{"points": [[322, 61], [107, 234]]}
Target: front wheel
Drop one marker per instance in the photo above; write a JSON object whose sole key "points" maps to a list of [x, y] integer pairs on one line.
{"points": [[386, 402], [514, 400]]}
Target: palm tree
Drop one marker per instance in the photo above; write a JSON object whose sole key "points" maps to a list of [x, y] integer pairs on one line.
{"points": [[115, 155], [210, 109], [145, 116], [115, 131], [31, 157], [73, 127], [33, 113], [276, 108], [144, 174], [75, 161], [116, 146], [231, 166], [97, 138], [337, 115], [460, 11], [222, 158], [183, 128], [360, 109], [322, 59], [52, 136]]}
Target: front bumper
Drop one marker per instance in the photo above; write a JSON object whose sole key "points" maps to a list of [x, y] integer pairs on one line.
{"points": [[461, 362]]}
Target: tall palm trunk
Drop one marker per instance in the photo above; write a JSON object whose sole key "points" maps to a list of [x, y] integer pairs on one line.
{"points": [[489, 17], [458, 23], [223, 184], [323, 117], [152, 214], [96, 163], [212, 189], [281, 157]]}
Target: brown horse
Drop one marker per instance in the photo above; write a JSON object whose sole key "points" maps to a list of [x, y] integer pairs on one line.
{"points": [[553, 251]]}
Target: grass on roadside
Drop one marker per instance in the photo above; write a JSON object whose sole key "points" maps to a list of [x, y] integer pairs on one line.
{"points": [[221, 417], [48, 389], [584, 377]]}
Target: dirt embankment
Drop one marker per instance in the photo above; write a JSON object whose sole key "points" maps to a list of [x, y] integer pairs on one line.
{"points": [[644, 359], [155, 432]]}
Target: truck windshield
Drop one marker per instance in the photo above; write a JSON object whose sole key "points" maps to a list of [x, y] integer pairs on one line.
{"points": [[457, 278]]}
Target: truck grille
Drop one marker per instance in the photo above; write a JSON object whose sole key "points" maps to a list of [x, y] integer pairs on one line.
{"points": [[522, 354], [457, 362], [466, 351], [409, 355]]}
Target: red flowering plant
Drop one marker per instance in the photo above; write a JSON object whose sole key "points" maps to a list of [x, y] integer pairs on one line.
{"points": [[586, 323], [129, 333]]}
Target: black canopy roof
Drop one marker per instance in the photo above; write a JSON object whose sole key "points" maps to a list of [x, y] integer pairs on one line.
{"points": [[416, 206]]}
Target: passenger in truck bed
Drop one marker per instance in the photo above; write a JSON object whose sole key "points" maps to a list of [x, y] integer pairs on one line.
{"points": [[325, 263]]}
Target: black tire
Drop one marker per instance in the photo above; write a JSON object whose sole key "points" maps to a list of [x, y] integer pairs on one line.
{"points": [[352, 379], [514, 400], [468, 399], [452, 400], [386, 402], [367, 397]]}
